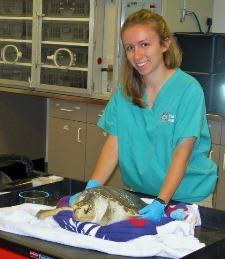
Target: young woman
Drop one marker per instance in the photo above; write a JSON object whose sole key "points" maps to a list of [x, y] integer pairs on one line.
{"points": [[156, 121]]}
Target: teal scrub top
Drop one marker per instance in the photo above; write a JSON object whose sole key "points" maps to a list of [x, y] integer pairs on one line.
{"points": [[147, 138]]}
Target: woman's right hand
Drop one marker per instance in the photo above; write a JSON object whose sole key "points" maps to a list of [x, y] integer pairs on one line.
{"points": [[90, 184]]}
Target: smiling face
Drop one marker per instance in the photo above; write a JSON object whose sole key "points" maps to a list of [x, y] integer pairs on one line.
{"points": [[143, 49]]}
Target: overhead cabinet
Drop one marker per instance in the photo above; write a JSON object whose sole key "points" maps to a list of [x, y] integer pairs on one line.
{"points": [[67, 47], [49, 45]]}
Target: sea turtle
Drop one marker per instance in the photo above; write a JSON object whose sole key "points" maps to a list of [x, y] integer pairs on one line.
{"points": [[102, 205]]}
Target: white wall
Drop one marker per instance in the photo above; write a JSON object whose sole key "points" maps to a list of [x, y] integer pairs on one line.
{"points": [[218, 16], [202, 8], [171, 13]]}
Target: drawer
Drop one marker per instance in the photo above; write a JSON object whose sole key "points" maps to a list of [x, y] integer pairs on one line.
{"points": [[68, 110], [94, 112], [215, 129]]}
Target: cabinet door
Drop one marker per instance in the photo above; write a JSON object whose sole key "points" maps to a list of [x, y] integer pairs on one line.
{"points": [[66, 148], [214, 153], [16, 42], [215, 131], [95, 140], [220, 193], [94, 112], [65, 52]]}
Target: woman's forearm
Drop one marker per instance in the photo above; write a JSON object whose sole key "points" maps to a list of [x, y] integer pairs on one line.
{"points": [[176, 169], [107, 160]]}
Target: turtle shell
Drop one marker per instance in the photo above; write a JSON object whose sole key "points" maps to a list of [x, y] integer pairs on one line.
{"points": [[126, 199]]}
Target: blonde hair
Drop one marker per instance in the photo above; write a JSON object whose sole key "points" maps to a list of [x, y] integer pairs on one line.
{"points": [[131, 79]]}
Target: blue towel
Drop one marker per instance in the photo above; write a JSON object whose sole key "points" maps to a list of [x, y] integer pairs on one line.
{"points": [[120, 231]]}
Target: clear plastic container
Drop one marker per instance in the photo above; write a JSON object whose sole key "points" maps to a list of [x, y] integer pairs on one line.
{"points": [[34, 196]]}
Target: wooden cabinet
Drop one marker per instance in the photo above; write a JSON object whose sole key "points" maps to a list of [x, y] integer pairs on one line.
{"points": [[66, 148], [75, 140], [67, 138], [217, 153]]}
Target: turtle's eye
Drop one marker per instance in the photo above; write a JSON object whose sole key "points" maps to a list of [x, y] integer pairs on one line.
{"points": [[87, 209]]}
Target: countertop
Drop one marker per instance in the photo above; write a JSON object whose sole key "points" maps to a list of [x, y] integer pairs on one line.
{"points": [[211, 232], [94, 99]]}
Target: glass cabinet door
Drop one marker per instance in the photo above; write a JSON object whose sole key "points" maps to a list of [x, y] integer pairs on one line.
{"points": [[16, 42], [66, 48], [50, 45]]}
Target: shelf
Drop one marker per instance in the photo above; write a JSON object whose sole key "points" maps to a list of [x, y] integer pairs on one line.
{"points": [[63, 68], [65, 19], [15, 40], [17, 64], [65, 43], [28, 18]]}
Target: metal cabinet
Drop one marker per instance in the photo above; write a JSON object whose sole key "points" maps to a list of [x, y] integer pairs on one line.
{"points": [[66, 139], [49, 45], [217, 153]]}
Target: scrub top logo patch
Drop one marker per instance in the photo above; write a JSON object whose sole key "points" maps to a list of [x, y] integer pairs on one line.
{"points": [[164, 117], [167, 117]]}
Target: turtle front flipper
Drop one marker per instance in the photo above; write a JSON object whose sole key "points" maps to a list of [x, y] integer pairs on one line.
{"points": [[49, 213]]}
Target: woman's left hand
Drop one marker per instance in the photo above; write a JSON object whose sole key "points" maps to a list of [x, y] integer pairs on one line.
{"points": [[153, 211]]}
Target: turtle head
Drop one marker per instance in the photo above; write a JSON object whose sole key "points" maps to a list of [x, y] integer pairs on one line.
{"points": [[84, 209]]}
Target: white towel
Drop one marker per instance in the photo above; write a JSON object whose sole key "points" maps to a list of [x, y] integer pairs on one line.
{"points": [[173, 240]]}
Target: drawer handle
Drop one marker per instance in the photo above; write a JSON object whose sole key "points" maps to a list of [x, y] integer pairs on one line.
{"points": [[78, 135], [210, 154], [65, 110], [66, 127], [223, 161]]}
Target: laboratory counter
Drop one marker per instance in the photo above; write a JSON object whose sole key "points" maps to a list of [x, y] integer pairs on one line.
{"points": [[211, 232]]}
